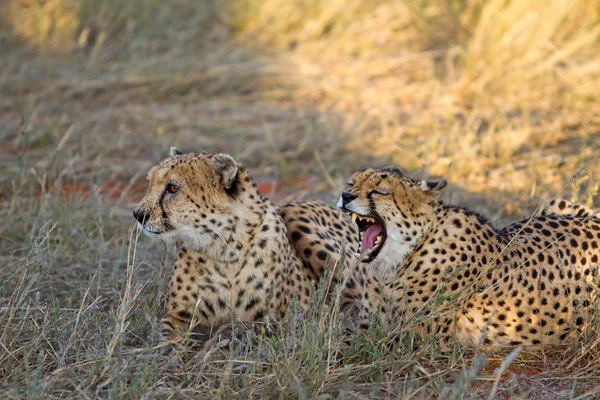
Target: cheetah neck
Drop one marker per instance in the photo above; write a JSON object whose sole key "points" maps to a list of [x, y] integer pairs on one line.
{"points": [[254, 219], [441, 225], [448, 225], [398, 251]]}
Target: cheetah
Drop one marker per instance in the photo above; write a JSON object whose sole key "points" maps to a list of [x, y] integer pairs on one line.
{"points": [[531, 283], [566, 207], [235, 257]]}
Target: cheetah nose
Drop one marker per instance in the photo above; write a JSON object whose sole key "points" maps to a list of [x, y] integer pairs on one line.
{"points": [[141, 216], [348, 197]]}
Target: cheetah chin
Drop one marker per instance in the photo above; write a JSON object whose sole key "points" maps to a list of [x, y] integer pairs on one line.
{"points": [[184, 235]]}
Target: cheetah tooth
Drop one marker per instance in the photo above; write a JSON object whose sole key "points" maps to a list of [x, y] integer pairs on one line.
{"points": [[378, 241], [354, 216]]}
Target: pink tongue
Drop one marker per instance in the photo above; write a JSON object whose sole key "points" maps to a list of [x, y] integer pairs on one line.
{"points": [[369, 237]]}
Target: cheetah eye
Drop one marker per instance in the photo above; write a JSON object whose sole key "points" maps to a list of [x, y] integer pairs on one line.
{"points": [[172, 188], [379, 192]]}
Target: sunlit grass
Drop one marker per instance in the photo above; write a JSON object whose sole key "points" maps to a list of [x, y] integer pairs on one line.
{"points": [[468, 90]]}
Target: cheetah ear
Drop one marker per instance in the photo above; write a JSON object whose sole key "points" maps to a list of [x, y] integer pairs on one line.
{"points": [[174, 152], [227, 167], [432, 187]]}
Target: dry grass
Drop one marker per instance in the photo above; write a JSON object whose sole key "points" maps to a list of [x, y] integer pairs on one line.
{"points": [[475, 90], [500, 97]]}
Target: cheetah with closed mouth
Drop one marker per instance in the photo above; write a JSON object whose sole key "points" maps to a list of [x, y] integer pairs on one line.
{"points": [[531, 283], [235, 256]]}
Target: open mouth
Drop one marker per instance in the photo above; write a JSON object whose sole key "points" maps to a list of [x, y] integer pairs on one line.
{"points": [[371, 235]]}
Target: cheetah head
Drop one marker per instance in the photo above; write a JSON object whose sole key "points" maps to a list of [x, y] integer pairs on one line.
{"points": [[193, 199], [391, 212]]}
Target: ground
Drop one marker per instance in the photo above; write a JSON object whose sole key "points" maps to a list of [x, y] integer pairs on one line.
{"points": [[91, 98]]}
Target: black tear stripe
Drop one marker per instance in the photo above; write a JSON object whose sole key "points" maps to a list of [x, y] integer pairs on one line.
{"points": [[375, 214], [371, 203], [167, 225]]}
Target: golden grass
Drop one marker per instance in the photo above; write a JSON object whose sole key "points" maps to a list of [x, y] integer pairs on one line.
{"points": [[474, 91], [44, 23]]}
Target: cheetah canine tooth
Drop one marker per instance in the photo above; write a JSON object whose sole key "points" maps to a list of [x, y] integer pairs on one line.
{"points": [[354, 216]]}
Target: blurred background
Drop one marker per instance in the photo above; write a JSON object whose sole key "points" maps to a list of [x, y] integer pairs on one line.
{"points": [[500, 97]]}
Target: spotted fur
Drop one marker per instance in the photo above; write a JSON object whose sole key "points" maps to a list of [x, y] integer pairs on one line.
{"points": [[566, 207], [234, 257], [530, 283]]}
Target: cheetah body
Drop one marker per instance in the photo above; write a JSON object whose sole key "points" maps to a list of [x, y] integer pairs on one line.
{"points": [[235, 260], [531, 283]]}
